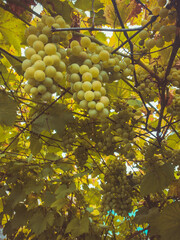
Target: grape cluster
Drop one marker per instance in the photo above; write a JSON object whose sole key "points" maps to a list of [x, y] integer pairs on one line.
{"points": [[174, 108], [117, 191], [162, 30], [44, 65], [174, 77], [81, 155], [90, 67]]}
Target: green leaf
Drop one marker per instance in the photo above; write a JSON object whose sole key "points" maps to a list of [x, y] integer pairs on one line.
{"points": [[63, 8], [12, 29], [167, 224], [87, 5], [15, 61], [157, 179], [8, 108], [21, 216], [118, 89], [135, 103], [144, 215], [78, 227], [56, 119], [35, 144], [38, 222]]}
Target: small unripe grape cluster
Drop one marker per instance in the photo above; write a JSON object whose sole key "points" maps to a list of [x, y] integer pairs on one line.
{"points": [[163, 30], [81, 155], [174, 108], [174, 77], [68, 139], [44, 66], [147, 89], [117, 191]]}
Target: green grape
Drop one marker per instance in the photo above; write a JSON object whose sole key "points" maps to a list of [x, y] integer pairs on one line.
{"points": [[93, 113], [50, 71], [58, 77], [27, 88], [88, 62], [80, 95], [40, 26], [99, 106], [89, 96], [122, 65], [48, 60], [29, 73], [83, 104], [157, 26], [53, 89], [77, 86], [116, 68], [29, 52], [104, 55], [86, 86], [42, 89], [32, 82], [105, 76], [159, 42], [25, 64], [50, 49], [96, 85], [163, 12], [49, 21], [39, 75], [161, 3], [150, 43], [47, 31], [104, 100], [97, 95], [155, 11], [39, 65], [127, 72], [42, 54], [38, 46], [83, 69], [104, 113], [35, 58], [95, 58], [74, 68], [63, 53], [31, 39], [144, 34], [43, 38], [46, 96], [62, 66], [34, 91], [85, 42], [75, 78], [87, 76], [43, 19], [74, 43], [103, 91], [48, 82], [92, 47], [61, 22], [92, 104], [76, 50]]}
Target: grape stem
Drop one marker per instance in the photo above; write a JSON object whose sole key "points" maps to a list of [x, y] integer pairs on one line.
{"points": [[4, 51], [96, 29]]}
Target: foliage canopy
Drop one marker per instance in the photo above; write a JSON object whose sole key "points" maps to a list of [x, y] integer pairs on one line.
{"points": [[89, 119]]}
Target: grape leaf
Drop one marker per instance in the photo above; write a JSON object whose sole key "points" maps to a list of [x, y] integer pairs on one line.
{"points": [[78, 227], [35, 144], [157, 179], [21, 216], [55, 118], [12, 29], [87, 5], [8, 109], [167, 224], [38, 222]]}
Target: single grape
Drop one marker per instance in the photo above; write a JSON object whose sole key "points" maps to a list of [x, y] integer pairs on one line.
{"points": [[42, 89], [83, 69], [89, 96], [43, 38], [144, 34], [48, 60], [58, 77], [97, 95], [34, 91], [29, 73], [50, 49], [74, 68], [50, 71], [75, 78], [96, 85], [27, 88], [104, 55], [104, 100], [86, 86], [48, 82], [99, 106], [29, 52], [38, 46], [39, 65], [47, 96], [39, 75], [35, 58], [92, 104], [93, 113], [85, 42], [87, 76], [83, 104], [25, 64], [31, 39], [77, 86], [80, 95]]}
